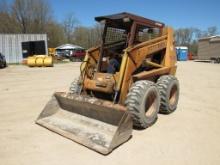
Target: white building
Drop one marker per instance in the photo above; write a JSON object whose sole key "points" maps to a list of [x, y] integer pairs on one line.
{"points": [[16, 47]]}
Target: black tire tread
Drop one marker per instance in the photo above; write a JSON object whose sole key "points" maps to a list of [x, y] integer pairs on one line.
{"points": [[133, 101], [163, 84]]}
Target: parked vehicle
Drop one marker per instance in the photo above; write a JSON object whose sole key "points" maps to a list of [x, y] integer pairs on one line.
{"points": [[70, 51], [3, 63], [77, 55]]}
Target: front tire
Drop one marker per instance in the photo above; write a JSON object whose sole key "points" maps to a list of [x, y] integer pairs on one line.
{"points": [[168, 86], [143, 103]]}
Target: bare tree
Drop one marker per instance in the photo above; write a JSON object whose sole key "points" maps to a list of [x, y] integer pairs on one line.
{"points": [[8, 23], [97, 34], [69, 23], [189, 37], [21, 11], [88, 36], [41, 15], [81, 36], [32, 15], [213, 30], [184, 36], [55, 34]]}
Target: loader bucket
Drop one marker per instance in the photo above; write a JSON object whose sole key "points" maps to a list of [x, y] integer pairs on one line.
{"points": [[94, 123]]}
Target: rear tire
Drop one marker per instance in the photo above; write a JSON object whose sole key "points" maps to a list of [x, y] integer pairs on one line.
{"points": [[168, 86], [75, 86], [143, 103]]}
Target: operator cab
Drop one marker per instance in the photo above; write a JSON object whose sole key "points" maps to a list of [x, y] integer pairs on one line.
{"points": [[121, 31]]}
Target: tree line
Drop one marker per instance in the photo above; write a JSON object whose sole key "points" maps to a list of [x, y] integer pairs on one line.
{"points": [[36, 16], [189, 37]]}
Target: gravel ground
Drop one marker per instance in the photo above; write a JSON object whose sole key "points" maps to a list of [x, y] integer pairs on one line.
{"points": [[188, 136]]}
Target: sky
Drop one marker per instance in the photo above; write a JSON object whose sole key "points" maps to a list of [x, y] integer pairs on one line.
{"points": [[175, 13]]}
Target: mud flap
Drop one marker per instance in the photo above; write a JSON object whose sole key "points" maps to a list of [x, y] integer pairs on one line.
{"points": [[94, 123]]}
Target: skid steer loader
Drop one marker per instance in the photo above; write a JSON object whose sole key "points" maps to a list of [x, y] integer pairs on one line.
{"points": [[123, 83]]}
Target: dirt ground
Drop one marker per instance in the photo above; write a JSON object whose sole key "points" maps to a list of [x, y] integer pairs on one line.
{"points": [[191, 135]]}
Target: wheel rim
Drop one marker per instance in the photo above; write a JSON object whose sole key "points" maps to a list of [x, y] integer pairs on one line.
{"points": [[173, 95], [151, 103]]}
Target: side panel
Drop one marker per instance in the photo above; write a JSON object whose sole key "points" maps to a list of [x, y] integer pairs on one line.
{"points": [[89, 62], [170, 56], [140, 52]]}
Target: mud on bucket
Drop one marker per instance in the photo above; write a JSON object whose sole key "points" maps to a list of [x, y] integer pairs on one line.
{"points": [[96, 124]]}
